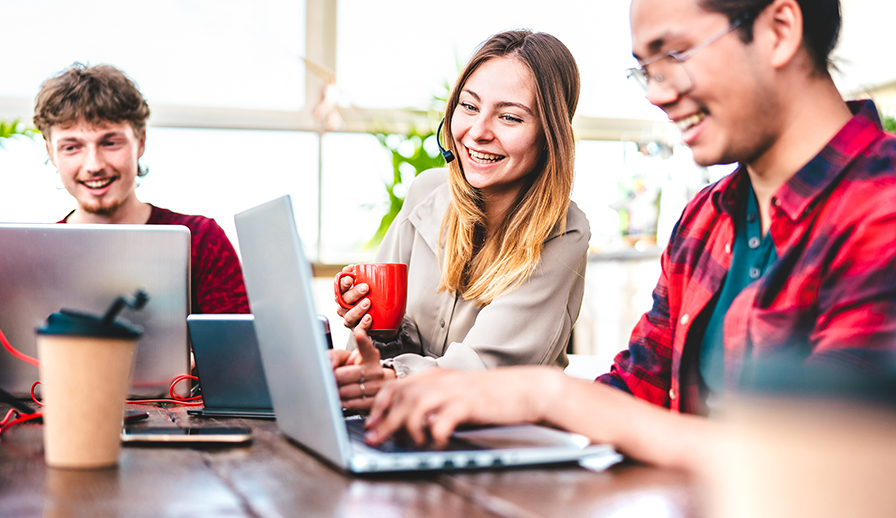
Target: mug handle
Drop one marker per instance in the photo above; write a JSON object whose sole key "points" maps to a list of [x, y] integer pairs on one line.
{"points": [[336, 283]]}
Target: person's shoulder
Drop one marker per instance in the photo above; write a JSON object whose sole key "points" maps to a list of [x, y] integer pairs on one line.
{"points": [[882, 155], [427, 183], [576, 218], [194, 222]]}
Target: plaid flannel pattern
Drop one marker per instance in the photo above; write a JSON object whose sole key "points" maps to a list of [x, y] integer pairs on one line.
{"points": [[830, 297]]}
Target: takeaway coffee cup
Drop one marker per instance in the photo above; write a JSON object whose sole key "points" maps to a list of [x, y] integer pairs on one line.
{"points": [[85, 365], [388, 292]]}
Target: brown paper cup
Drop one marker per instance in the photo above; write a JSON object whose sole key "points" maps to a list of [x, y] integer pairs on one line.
{"points": [[84, 386]]}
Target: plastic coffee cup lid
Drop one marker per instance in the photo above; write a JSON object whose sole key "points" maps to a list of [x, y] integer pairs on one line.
{"points": [[74, 323]]}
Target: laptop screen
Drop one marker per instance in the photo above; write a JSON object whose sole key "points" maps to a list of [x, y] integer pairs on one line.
{"points": [[44, 268]]}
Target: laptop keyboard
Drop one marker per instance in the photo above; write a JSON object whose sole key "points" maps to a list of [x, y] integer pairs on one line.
{"points": [[393, 445]]}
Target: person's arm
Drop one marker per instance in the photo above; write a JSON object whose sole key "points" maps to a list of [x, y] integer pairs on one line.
{"points": [[434, 403], [856, 323], [645, 368]]}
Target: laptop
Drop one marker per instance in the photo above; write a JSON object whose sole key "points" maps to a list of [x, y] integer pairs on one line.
{"points": [[229, 366], [303, 388], [46, 267]]}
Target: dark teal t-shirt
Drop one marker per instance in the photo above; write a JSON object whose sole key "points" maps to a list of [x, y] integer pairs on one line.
{"points": [[751, 257]]}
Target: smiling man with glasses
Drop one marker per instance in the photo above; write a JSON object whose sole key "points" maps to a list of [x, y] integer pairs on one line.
{"points": [[794, 252], [792, 255]]}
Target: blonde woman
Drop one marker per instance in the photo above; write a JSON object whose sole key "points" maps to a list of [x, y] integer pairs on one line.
{"points": [[495, 248]]}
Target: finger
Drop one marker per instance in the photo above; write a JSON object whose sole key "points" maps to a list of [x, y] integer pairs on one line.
{"points": [[358, 404], [346, 375], [356, 293], [353, 316], [369, 352], [368, 389], [416, 420], [337, 357], [388, 412], [381, 404], [443, 423]]}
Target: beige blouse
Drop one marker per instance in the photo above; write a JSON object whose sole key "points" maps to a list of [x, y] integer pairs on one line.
{"points": [[529, 324]]}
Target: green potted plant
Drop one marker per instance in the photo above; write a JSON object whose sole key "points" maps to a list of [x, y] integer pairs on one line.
{"points": [[14, 128]]}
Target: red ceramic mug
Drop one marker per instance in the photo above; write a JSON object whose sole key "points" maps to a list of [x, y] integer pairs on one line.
{"points": [[387, 291]]}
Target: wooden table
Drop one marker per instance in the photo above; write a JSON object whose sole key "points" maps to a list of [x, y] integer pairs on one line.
{"points": [[274, 477]]}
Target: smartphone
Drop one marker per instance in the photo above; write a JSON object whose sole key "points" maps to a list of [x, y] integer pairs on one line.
{"points": [[325, 322], [191, 435]]}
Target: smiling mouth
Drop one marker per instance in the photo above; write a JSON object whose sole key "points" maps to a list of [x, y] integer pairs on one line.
{"points": [[484, 158], [689, 122], [98, 184]]}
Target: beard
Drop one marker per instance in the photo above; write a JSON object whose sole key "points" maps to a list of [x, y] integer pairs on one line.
{"points": [[98, 208]]}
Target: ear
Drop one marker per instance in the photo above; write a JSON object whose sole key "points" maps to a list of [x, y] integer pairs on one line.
{"points": [[50, 150], [785, 24], [142, 147]]}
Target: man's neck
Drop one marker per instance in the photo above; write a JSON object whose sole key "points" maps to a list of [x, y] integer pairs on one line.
{"points": [[812, 118], [132, 213]]}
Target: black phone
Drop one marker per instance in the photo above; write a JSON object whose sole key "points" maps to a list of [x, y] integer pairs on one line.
{"points": [[325, 322], [191, 435]]}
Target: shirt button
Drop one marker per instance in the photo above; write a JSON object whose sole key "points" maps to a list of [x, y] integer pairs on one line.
{"points": [[754, 242], [672, 394], [751, 217], [685, 319], [727, 249], [754, 273], [441, 323], [776, 202]]}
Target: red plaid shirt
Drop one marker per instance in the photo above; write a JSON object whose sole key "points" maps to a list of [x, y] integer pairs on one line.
{"points": [[830, 296]]}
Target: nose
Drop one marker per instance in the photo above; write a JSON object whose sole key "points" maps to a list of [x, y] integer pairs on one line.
{"points": [[93, 160], [481, 129], [661, 93]]}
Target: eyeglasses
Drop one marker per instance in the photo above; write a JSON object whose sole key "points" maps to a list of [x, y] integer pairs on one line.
{"points": [[668, 69]]}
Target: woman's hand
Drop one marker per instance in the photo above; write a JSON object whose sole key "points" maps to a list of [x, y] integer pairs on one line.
{"points": [[352, 294], [359, 373], [436, 401]]}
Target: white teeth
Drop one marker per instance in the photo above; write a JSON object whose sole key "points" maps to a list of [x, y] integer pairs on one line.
{"points": [[687, 122], [484, 157], [97, 184]]}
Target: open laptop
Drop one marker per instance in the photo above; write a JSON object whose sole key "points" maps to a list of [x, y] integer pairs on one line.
{"points": [[229, 366], [303, 388], [44, 268]]}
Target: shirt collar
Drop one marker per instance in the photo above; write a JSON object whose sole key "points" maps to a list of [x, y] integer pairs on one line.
{"points": [[798, 194]]}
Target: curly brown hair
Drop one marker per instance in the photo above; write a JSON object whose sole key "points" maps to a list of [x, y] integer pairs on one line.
{"points": [[94, 94]]}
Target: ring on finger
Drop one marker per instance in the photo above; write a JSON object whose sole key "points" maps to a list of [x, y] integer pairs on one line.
{"points": [[363, 392], [363, 378]]}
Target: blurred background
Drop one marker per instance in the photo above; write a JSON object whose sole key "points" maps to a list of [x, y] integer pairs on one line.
{"points": [[335, 103]]}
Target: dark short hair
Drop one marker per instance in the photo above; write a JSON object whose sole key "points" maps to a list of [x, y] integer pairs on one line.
{"points": [[94, 94], [821, 23]]}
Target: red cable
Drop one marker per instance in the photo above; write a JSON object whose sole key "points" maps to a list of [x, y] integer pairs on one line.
{"points": [[175, 398], [33, 397], [22, 356], [21, 419], [8, 416]]}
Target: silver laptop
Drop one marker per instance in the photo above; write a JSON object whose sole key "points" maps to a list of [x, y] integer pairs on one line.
{"points": [[303, 388], [44, 268], [229, 366]]}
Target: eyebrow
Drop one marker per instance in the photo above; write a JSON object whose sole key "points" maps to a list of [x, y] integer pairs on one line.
{"points": [[105, 136], [655, 46], [502, 104]]}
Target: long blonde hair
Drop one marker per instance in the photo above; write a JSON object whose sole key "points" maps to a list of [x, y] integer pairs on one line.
{"points": [[483, 271]]}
